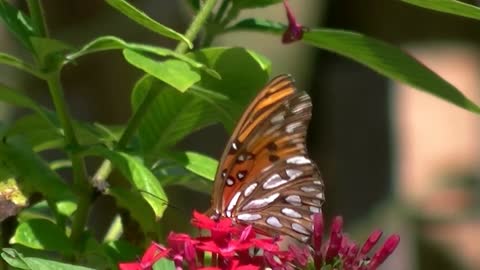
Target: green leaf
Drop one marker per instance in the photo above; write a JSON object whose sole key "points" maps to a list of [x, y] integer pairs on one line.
{"points": [[388, 61], [138, 208], [174, 115], [113, 43], [254, 3], [190, 181], [37, 132], [253, 24], [141, 178], [42, 234], [122, 251], [32, 172], [147, 22], [16, 98], [175, 73], [200, 164], [15, 259], [448, 6], [12, 61], [95, 254], [50, 52], [17, 23], [164, 264], [43, 135], [40, 210]]}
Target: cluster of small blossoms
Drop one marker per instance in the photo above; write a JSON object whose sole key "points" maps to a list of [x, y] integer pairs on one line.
{"points": [[238, 248]]}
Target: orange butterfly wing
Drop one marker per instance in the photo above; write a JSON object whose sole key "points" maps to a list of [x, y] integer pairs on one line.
{"points": [[265, 177]]}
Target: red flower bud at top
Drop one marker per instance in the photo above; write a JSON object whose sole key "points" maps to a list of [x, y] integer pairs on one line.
{"points": [[335, 239], [382, 254], [294, 30]]}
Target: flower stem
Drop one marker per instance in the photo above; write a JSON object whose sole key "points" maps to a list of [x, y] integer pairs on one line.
{"points": [[37, 16], [196, 24], [80, 178], [105, 168]]}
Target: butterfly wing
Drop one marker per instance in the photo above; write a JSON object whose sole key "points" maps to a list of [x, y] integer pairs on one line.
{"points": [[265, 177]]}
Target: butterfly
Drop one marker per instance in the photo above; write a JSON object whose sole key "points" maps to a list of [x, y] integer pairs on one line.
{"points": [[265, 177]]}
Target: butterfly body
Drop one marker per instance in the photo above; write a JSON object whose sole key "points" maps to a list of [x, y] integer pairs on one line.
{"points": [[265, 177]]}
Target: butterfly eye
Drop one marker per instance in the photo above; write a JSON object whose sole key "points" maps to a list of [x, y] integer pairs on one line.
{"points": [[265, 177]]}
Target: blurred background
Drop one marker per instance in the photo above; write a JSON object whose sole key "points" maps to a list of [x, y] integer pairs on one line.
{"points": [[392, 157]]}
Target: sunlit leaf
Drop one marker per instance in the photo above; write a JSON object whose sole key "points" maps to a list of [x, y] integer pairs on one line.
{"points": [[449, 6], [15, 259], [175, 73], [113, 43], [140, 177], [147, 22], [389, 61], [37, 234]]}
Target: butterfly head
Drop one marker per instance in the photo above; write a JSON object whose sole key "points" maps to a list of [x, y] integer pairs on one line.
{"points": [[213, 214]]}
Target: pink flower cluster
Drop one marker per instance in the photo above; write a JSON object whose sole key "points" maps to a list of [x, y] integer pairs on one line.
{"points": [[238, 248]]}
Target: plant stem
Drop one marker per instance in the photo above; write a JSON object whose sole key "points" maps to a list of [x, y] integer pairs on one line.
{"points": [[38, 18], [221, 11], [132, 126], [56, 92], [80, 178], [105, 168], [196, 24]]}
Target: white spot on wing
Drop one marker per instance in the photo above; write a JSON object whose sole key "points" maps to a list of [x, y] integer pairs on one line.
{"points": [[300, 107], [278, 118], [273, 182], [293, 173], [299, 228], [314, 209], [273, 221], [309, 189], [250, 189], [294, 200], [289, 212], [290, 128], [232, 204], [320, 196], [259, 203], [230, 182], [318, 183], [299, 160], [249, 217]]}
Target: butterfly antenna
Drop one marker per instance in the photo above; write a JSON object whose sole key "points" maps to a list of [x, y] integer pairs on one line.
{"points": [[165, 202]]}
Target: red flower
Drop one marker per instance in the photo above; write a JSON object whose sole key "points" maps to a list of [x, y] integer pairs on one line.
{"points": [[294, 30], [154, 253], [238, 248], [339, 249], [182, 249]]}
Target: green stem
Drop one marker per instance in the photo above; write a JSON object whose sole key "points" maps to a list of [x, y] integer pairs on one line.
{"points": [[38, 18], [105, 168], [56, 92], [132, 127], [221, 11], [196, 24], [80, 178]]}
